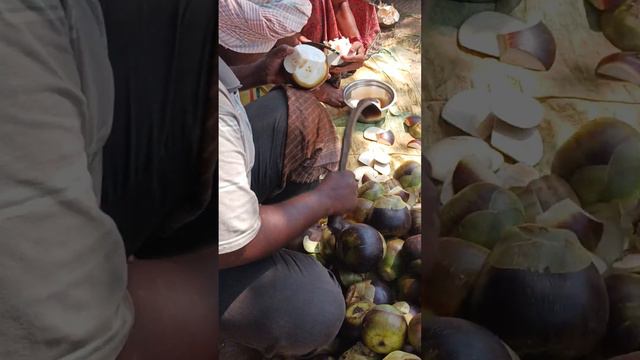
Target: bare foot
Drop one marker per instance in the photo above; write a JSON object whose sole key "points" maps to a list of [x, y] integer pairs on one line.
{"points": [[329, 95]]}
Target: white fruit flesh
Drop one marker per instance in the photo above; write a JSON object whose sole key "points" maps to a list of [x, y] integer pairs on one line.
{"points": [[524, 145], [445, 154], [480, 31], [470, 111], [532, 48], [517, 109], [308, 66]]}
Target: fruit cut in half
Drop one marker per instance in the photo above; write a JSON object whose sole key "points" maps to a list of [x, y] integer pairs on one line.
{"points": [[623, 66], [307, 65], [532, 48]]}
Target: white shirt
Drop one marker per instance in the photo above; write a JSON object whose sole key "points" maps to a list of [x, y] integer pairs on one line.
{"points": [[239, 215]]}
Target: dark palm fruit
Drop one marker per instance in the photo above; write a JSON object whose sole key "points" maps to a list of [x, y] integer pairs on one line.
{"points": [[446, 338], [480, 213], [384, 329], [360, 247], [409, 289], [371, 190], [593, 144], [409, 174], [391, 265], [390, 216], [540, 292], [360, 291], [412, 254], [456, 267], [623, 333], [383, 293], [415, 333]]}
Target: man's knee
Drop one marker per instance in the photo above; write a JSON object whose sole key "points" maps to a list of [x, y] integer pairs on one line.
{"points": [[296, 309]]}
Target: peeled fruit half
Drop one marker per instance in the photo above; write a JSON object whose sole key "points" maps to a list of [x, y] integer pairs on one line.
{"points": [[533, 48], [567, 215], [384, 329], [471, 170], [480, 31], [621, 25], [307, 65], [623, 66], [556, 306]]}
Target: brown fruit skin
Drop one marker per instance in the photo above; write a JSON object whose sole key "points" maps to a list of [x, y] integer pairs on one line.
{"points": [[446, 338], [621, 25], [457, 265], [593, 144], [623, 333], [409, 290], [542, 315], [415, 333]]}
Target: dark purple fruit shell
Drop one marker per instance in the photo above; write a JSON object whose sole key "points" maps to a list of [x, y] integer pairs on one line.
{"points": [[623, 333], [390, 221], [360, 248], [566, 323], [409, 290], [383, 294], [449, 338]]}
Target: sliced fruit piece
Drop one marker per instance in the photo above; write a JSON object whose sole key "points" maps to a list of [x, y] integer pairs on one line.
{"points": [[470, 111], [415, 144], [623, 66], [445, 154], [367, 158], [384, 169], [471, 170], [359, 172], [567, 215], [307, 65], [533, 48], [524, 145], [386, 137], [371, 133], [480, 31], [517, 109]]}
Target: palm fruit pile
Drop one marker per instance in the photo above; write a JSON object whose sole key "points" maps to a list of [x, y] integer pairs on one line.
{"points": [[538, 266], [377, 259]]}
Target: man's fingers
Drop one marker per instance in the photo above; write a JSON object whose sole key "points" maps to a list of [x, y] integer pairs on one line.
{"points": [[282, 51]]}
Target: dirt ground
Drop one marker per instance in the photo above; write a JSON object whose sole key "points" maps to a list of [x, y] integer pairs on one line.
{"points": [[395, 59]]}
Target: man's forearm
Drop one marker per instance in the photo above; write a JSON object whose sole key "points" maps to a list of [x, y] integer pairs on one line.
{"points": [[250, 75], [281, 223]]}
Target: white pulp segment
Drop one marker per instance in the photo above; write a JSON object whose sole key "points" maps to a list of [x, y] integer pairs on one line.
{"points": [[517, 175], [371, 133], [367, 158], [359, 172], [470, 111], [480, 31], [517, 109], [524, 145], [384, 169], [445, 154], [308, 65]]}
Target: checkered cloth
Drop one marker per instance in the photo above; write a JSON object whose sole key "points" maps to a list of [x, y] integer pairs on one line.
{"points": [[254, 26], [312, 148]]}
